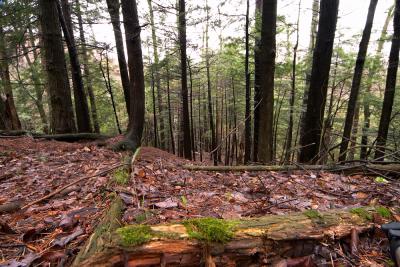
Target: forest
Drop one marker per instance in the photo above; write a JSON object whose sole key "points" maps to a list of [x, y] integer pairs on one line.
{"points": [[199, 133]]}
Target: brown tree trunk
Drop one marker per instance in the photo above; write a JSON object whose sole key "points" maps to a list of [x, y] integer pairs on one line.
{"points": [[156, 69], [257, 78], [372, 72], [266, 108], [185, 123], [113, 9], [310, 139], [62, 116], [390, 87], [6, 84], [247, 116], [135, 60], [171, 130], [86, 71], [209, 98], [355, 86], [81, 105]]}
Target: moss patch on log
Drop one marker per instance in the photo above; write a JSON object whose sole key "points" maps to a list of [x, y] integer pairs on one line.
{"points": [[134, 235], [362, 212], [210, 229]]}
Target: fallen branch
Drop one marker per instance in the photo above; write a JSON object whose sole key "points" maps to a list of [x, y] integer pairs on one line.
{"points": [[346, 169], [253, 241], [71, 184]]}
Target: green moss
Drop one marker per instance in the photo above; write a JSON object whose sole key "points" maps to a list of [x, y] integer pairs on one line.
{"points": [[121, 176], [384, 212], [361, 212], [134, 235], [312, 214], [210, 229]]}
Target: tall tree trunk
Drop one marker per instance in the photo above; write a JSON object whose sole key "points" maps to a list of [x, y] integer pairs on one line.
{"points": [[209, 98], [156, 68], [171, 130], [390, 87], [266, 108], [113, 9], [247, 116], [153, 94], [86, 71], [62, 116], [6, 83], [289, 134], [310, 139], [257, 77], [354, 131], [187, 144], [192, 135], [355, 86], [371, 75], [311, 46], [135, 59], [81, 106]]}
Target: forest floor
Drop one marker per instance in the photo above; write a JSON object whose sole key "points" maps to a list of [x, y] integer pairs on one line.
{"points": [[53, 230]]}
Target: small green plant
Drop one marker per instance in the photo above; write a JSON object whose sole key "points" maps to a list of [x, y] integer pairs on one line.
{"points": [[361, 212], [384, 212], [381, 180], [184, 201], [134, 235], [312, 214], [121, 176], [210, 229]]}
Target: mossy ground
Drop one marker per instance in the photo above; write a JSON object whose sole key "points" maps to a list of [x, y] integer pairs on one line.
{"points": [[384, 212], [121, 176], [210, 229]]}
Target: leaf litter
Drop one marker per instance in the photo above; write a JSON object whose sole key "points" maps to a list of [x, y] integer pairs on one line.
{"points": [[159, 190]]}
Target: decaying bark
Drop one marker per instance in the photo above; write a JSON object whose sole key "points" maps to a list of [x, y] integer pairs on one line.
{"points": [[256, 242]]}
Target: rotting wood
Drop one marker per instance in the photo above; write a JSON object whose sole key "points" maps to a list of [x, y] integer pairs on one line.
{"points": [[371, 169], [272, 237], [102, 236]]}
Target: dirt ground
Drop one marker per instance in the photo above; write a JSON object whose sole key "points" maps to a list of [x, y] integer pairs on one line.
{"points": [[158, 191]]}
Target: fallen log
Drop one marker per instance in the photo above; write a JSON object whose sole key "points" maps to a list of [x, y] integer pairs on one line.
{"points": [[253, 241], [73, 137], [371, 169]]}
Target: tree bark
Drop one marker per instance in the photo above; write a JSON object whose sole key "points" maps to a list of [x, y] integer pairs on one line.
{"points": [[137, 101], [247, 116], [14, 122], [86, 71], [390, 86], [113, 9], [310, 140], [257, 78], [81, 105], [185, 126], [209, 98], [355, 86], [266, 108], [171, 130], [62, 116]]}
